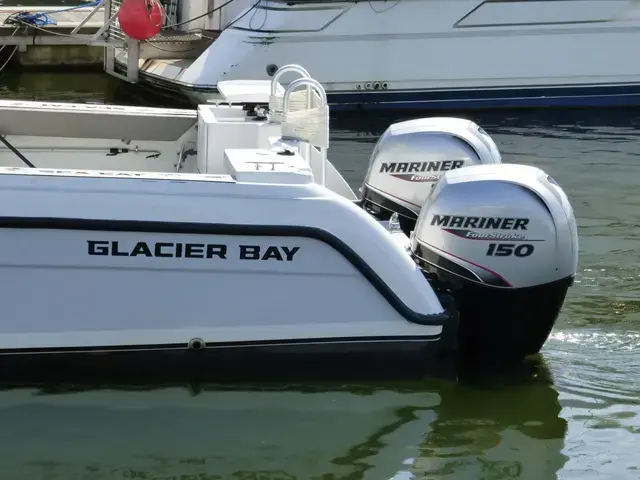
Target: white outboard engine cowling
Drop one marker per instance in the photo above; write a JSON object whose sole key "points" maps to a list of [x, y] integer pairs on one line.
{"points": [[410, 157], [503, 240]]}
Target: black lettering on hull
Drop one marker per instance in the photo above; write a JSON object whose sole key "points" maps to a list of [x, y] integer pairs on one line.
{"points": [[189, 250], [253, 252]]}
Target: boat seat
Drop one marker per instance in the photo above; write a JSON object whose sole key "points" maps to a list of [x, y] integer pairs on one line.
{"points": [[44, 119]]}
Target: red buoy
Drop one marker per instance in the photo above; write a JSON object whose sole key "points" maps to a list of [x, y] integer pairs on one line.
{"points": [[141, 19]]}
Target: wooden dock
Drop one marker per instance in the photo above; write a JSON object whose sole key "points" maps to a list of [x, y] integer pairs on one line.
{"points": [[67, 38], [56, 33]]}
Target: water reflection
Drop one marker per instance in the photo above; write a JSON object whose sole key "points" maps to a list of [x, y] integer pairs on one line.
{"points": [[607, 124], [85, 88], [496, 426], [597, 376], [508, 429], [58, 87]]}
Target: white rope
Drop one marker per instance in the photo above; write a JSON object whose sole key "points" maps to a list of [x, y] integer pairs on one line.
{"points": [[297, 101], [308, 125]]}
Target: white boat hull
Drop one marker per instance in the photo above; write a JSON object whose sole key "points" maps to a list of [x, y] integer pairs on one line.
{"points": [[169, 283], [264, 261], [427, 54], [144, 269]]}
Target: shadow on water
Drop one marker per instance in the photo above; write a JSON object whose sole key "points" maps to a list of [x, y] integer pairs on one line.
{"points": [[503, 428], [535, 123], [84, 88], [58, 87]]}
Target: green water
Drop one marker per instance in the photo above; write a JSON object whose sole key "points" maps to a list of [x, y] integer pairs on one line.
{"points": [[574, 414]]}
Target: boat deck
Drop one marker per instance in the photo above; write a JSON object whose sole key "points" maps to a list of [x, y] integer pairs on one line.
{"points": [[69, 19], [58, 29], [47, 119]]}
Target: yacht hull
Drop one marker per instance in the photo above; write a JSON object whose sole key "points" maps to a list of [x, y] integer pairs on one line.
{"points": [[428, 54]]}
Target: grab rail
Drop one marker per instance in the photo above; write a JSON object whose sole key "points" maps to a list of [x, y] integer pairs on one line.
{"points": [[287, 68], [310, 125], [302, 100], [308, 82]]}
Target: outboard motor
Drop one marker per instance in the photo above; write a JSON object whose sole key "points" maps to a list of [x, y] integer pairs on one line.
{"points": [[502, 239], [410, 157]]}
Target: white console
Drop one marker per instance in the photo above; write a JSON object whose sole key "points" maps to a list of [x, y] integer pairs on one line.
{"points": [[222, 127], [266, 166]]}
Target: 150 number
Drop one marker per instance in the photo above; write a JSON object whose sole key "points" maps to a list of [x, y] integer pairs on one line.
{"points": [[508, 249]]}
